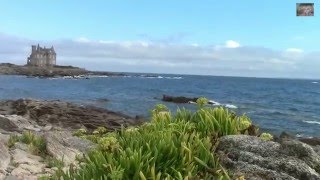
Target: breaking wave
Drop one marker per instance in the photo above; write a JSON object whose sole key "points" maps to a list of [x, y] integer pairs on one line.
{"points": [[161, 77], [215, 103], [312, 122]]}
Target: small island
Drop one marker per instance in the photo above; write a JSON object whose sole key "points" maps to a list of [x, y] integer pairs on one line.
{"points": [[42, 63]]}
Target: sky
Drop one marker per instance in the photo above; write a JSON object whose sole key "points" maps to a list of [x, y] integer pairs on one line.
{"points": [[226, 38]]}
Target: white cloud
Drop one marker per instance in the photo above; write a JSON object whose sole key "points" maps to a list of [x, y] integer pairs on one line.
{"points": [[232, 44], [163, 57], [82, 40], [294, 50]]}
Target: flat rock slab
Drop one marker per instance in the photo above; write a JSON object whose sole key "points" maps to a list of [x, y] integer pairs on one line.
{"points": [[28, 166], [4, 156], [65, 147], [258, 159], [58, 113]]}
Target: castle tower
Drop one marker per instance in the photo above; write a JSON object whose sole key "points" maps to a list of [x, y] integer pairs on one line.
{"points": [[33, 49]]}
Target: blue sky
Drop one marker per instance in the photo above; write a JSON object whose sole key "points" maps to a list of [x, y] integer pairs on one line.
{"points": [[221, 37]]}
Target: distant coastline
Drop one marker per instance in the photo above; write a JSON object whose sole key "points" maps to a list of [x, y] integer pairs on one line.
{"points": [[49, 71]]}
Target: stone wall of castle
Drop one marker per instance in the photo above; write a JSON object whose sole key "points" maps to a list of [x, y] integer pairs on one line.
{"points": [[42, 56]]}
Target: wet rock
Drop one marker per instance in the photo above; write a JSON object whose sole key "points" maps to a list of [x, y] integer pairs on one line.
{"points": [[286, 135], [179, 99], [314, 141], [258, 159]]}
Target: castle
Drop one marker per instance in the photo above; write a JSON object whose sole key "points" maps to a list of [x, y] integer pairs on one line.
{"points": [[42, 56]]}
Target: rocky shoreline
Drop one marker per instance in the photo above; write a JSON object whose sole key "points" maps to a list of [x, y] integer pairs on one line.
{"points": [[55, 121], [48, 72], [286, 157]]}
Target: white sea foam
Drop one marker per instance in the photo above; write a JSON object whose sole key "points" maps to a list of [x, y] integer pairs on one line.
{"points": [[303, 136], [191, 102], [231, 106], [173, 77], [214, 103], [160, 77], [312, 122], [314, 82], [98, 76]]}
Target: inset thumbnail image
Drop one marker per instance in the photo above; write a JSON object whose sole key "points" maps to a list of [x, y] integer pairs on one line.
{"points": [[305, 9]]}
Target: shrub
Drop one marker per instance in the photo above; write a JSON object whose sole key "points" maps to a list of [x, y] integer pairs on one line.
{"points": [[266, 136], [12, 140], [39, 145], [36, 144], [27, 137], [100, 130], [179, 146], [80, 132], [202, 102], [53, 162]]}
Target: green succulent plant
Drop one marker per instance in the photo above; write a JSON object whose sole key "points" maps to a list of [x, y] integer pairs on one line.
{"points": [[266, 136], [170, 146], [202, 101]]}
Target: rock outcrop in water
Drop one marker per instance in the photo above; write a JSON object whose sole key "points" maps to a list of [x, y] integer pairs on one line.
{"points": [[259, 159], [178, 99]]}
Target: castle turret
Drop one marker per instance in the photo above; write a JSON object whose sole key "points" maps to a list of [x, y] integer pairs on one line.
{"points": [[33, 49]]}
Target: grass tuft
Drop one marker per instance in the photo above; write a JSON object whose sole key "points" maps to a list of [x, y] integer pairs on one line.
{"points": [[36, 144]]}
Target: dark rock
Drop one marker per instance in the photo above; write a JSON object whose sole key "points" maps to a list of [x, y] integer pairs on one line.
{"points": [[286, 135], [179, 99], [258, 159], [7, 125], [63, 114], [314, 141]]}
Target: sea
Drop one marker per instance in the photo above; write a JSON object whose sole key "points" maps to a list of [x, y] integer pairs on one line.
{"points": [[275, 105]]}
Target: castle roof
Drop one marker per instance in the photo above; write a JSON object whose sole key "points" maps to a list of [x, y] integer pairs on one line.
{"points": [[44, 50]]}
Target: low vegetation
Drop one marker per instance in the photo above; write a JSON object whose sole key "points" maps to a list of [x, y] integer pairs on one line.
{"points": [[36, 144], [170, 146]]}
